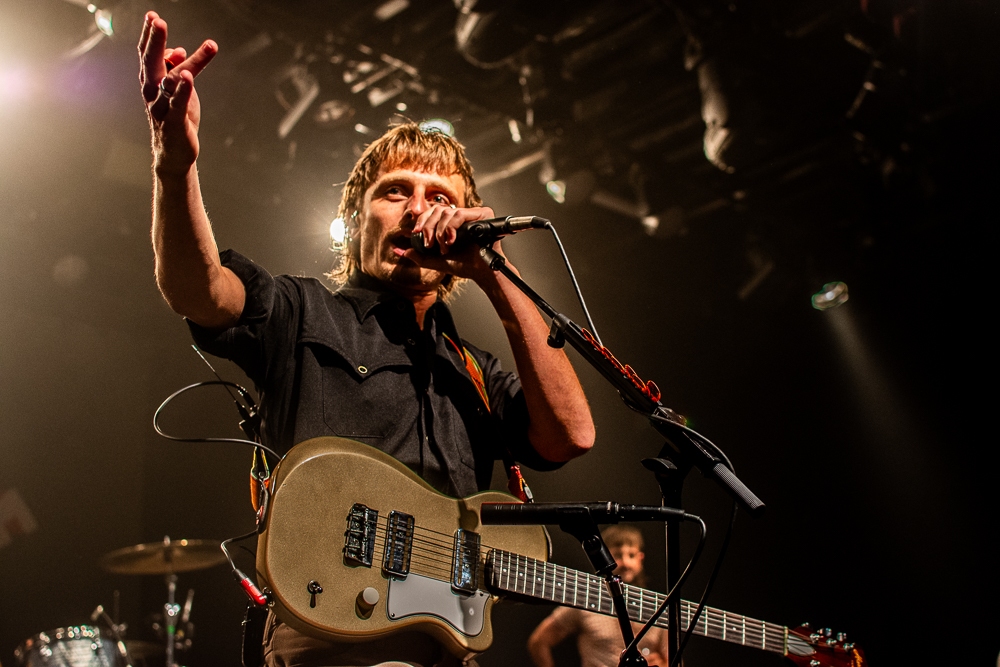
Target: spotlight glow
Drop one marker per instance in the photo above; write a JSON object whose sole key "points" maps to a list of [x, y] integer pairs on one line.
{"points": [[338, 231], [515, 131], [14, 84], [103, 19], [832, 295], [557, 190]]}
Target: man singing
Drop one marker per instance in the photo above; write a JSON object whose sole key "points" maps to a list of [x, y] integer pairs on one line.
{"points": [[379, 359]]}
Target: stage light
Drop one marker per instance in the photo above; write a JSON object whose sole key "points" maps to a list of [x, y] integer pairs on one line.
{"points": [[832, 295], [515, 131], [338, 232], [103, 19], [438, 125], [557, 190], [401, 106], [650, 223], [387, 10]]}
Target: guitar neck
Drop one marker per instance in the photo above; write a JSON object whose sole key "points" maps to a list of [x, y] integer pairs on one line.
{"points": [[528, 577]]}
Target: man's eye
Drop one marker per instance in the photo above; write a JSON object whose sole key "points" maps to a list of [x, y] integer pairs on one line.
{"points": [[440, 199]]}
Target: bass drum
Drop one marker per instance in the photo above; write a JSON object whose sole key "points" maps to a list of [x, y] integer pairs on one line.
{"points": [[77, 646]]}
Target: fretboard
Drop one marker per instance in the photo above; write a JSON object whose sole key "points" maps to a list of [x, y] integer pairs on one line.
{"points": [[521, 575]]}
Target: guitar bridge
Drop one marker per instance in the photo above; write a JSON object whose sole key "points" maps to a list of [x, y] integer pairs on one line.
{"points": [[398, 544], [359, 544], [465, 564]]}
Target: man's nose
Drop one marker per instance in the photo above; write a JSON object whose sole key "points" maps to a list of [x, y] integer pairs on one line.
{"points": [[417, 204]]}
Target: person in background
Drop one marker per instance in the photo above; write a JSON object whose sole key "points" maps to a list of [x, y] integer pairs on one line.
{"points": [[598, 637]]}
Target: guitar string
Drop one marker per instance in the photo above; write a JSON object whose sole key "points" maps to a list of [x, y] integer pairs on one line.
{"points": [[714, 622], [750, 635]]}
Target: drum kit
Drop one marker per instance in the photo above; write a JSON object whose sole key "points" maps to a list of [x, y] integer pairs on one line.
{"points": [[92, 646]]}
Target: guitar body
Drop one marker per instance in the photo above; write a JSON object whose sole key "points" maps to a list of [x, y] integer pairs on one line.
{"points": [[303, 549], [356, 546]]}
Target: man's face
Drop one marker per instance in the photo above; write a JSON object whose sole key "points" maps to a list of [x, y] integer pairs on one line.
{"points": [[629, 559], [391, 206]]}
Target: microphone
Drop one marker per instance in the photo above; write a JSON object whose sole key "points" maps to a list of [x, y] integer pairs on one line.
{"points": [[483, 232], [557, 513]]}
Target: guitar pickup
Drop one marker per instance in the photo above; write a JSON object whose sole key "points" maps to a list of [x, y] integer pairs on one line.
{"points": [[359, 542], [465, 564], [398, 544]]}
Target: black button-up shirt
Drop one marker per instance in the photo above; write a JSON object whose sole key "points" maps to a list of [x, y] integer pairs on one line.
{"points": [[353, 363]]}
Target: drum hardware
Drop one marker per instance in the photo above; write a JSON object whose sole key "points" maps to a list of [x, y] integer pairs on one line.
{"points": [[168, 558], [116, 629], [75, 646]]}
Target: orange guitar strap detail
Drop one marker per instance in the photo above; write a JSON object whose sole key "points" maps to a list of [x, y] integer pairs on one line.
{"points": [[516, 484], [260, 478], [475, 372]]}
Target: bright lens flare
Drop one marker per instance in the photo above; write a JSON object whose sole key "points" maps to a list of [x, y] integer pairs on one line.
{"points": [[338, 231], [557, 190], [438, 125], [103, 19], [832, 295]]}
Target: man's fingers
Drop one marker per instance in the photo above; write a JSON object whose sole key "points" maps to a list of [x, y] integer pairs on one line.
{"points": [[144, 35], [447, 230], [164, 92], [175, 57], [154, 68], [200, 58], [428, 226], [178, 101]]}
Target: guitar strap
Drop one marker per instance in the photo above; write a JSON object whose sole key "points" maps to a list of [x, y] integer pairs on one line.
{"points": [[260, 478], [516, 484]]}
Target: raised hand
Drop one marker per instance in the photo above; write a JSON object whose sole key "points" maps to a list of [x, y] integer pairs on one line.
{"points": [[167, 77]]}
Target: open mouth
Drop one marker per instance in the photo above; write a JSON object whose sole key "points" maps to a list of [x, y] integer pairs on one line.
{"points": [[401, 240]]}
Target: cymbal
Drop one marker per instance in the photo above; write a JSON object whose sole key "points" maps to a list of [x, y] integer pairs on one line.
{"points": [[164, 557]]}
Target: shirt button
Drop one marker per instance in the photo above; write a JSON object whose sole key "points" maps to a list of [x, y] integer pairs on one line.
{"points": [[411, 342], [362, 369], [400, 306]]}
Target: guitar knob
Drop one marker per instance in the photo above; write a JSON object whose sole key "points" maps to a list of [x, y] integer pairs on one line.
{"points": [[365, 602], [827, 632], [841, 637]]}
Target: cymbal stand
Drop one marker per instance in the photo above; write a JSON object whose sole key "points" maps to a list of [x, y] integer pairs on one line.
{"points": [[170, 612]]}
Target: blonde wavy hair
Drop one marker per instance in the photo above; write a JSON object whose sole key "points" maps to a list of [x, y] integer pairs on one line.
{"points": [[405, 146]]}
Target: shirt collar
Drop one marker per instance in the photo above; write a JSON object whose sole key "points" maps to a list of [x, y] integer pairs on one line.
{"points": [[365, 293]]}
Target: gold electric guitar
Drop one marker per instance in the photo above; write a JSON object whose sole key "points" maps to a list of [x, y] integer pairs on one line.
{"points": [[357, 546]]}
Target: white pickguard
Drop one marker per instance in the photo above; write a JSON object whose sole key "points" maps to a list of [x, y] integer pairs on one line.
{"points": [[417, 595]]}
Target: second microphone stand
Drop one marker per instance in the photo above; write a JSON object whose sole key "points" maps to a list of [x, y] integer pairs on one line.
{"points": [[683, 449]]}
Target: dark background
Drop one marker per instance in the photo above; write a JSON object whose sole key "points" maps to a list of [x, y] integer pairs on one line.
{"points": [[780, 145]]}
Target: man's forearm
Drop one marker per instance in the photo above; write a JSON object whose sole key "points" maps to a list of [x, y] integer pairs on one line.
{"points": [[561, 426], [188, 271]]}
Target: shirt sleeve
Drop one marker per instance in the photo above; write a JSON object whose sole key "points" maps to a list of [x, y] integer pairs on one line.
{"points": [[262, 335], [509, 409]]}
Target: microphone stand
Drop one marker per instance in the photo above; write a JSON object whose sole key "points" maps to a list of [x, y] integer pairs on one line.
{"points": [[683, 447], [583, 527]]}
